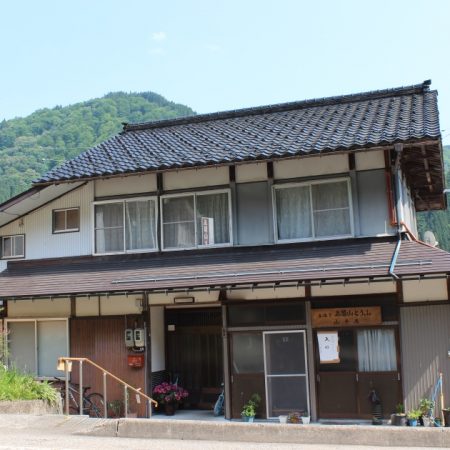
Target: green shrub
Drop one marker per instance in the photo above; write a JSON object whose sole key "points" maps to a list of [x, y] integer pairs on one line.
{"points": [[18, 386]]}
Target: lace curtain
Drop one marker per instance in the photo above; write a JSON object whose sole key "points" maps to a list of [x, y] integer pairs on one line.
{"points": [[181, 213], [140, 226], [376, 351], [324, 204]]}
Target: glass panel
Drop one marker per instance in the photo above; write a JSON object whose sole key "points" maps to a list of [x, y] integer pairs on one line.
{"points": [[52, 343], [7, 247], [376, 351], [179, 222], [109, 228], [109, 215], [18, 246], [332, 223], [109, 240], [330, 195], [59, 220], [140, 224], [73, 219], [178, 209], [215, 207], [239, 315], [247, 353], [286, 395], [179, 235], [22, 346], [331, 209], [285, 353], [293, 212]]}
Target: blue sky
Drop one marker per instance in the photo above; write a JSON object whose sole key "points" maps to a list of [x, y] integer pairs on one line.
{"points": [[219, 55]]}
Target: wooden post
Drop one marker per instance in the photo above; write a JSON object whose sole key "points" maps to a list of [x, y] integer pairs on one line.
{"points": [[66, 372], [105, 402], [441, 396]]}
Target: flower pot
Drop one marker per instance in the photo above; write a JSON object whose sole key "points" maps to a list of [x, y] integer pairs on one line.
{"points": [[306, 420], [248, 418], [282, 419], [427, 421], [446, 414], [398, 420], [412, 422], [170, 408]]}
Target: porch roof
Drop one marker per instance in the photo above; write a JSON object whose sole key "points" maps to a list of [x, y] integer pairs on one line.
{"points": [[220, 268]]}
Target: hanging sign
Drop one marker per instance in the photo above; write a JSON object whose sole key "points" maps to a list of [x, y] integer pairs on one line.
{"points": [[328, 342], [346, 317], [207, 230]]}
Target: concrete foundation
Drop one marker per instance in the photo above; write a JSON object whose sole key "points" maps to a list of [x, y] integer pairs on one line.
{"points": [[36, 407]]}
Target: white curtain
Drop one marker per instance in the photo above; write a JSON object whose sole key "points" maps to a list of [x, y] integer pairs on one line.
{"points": [[376, 350], [293, 212], [179, 222], [331, 209], [109, 228], [140, 225], [214, 206]]}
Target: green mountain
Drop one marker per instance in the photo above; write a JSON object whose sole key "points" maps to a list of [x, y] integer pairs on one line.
{"points": [[32, 145], [438, 221]]}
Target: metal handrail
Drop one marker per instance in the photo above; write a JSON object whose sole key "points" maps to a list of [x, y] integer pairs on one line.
{"points": [[66, 360]]}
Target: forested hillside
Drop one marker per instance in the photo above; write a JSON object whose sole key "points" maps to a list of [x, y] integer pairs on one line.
{"points": [[31, 145]]}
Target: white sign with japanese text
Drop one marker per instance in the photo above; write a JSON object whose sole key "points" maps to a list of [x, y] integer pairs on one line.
{"points": [[328, 347]]}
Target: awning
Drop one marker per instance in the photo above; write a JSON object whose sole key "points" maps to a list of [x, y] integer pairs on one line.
{"points": [[221, 268]]}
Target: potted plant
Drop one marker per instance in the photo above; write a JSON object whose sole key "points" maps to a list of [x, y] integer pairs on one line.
{"points": [[399, 418], [115, 408], [169, 395], [306, 419], [294, 417], [249, 409], [446, 414], [426, 407], [413, 417]]}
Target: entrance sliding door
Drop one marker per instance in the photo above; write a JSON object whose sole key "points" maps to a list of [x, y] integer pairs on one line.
{"points": [[285, 371], [367, 362]]}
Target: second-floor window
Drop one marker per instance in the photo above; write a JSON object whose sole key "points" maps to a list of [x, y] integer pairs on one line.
{"points": [[66, 220], [122, 226], [315, 210], [196, 220], [13, 246]]}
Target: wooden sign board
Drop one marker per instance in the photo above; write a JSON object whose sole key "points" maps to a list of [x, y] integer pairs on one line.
{"points": [[346, 317]]}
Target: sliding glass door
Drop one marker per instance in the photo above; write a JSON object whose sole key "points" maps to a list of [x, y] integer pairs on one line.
{"points": [[285, 371]]}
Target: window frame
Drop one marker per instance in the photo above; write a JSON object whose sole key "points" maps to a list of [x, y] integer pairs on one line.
{"points": [[66, 230], [194, 194], [36, 345], [123, 201], [311, 183], [12, 236]]}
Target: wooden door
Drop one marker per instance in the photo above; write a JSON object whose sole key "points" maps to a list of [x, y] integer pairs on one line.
{"points": [[368, 362], [336, 382]]}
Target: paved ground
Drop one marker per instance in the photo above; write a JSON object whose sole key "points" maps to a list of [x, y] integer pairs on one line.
{"points": [[64, 433], [47, 439]]}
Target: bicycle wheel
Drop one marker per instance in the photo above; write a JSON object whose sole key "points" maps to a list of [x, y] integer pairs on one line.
{"points": [[95, 405]]}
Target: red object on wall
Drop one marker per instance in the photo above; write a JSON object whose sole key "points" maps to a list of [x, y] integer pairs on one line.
{"points": [[136, 361]]}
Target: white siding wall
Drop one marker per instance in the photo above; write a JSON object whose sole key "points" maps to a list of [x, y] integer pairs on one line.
{"points": [[40, 242]]}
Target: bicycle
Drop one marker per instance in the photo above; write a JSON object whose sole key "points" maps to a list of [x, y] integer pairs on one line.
{"points": [[93, 403]]}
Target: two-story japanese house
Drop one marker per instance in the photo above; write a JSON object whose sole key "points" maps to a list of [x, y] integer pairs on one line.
{"points": [[273, 249]]}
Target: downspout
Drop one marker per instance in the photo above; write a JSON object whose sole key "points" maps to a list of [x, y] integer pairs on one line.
{"points": [[398, 207]]}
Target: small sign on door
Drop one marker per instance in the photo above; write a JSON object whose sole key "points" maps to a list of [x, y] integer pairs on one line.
{"points": [[328, 342]]}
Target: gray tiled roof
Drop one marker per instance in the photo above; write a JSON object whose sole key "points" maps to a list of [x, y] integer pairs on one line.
{"points": [[350, 122]]}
